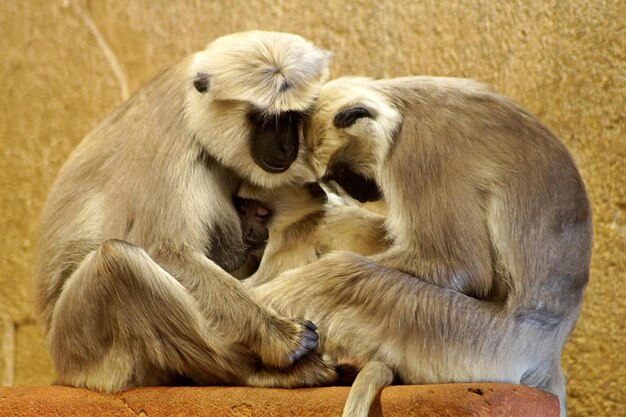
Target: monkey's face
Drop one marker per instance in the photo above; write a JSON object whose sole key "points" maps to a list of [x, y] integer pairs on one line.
{"points": [[349, 134], [275, 139], [249, 95], [288, 204]]}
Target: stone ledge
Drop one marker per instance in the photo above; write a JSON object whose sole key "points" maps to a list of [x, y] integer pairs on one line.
{"points": [[445, 400]]}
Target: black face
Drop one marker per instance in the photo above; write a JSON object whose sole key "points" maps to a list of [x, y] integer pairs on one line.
{"points": [[356, 185], [254, 218], [274, 143]]}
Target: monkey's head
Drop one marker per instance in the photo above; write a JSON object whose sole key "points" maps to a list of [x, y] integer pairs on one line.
{"points": [[288, 204], [349, 135], [247, 96]]}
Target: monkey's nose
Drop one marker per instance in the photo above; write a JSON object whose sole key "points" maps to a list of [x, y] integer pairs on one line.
{"points": [[262, 212]]}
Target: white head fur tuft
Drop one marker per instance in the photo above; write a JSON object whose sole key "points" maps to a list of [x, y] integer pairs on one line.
{"points": [[273, 71]]}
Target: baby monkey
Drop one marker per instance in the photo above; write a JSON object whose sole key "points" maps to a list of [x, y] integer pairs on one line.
{"points": [[293, 226], [254, 217]]}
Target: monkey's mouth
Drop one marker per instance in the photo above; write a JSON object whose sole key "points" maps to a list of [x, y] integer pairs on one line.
{"points": [[274, 167]]}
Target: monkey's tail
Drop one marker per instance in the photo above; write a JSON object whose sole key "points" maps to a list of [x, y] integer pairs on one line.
{"points": [[371, 379]]}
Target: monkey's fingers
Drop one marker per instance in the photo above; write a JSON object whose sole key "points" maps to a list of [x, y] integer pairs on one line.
{"points": [[308, 342]]}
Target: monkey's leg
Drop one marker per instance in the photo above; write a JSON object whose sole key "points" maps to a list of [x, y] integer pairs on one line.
{"points": [[425, 333], [227, 306], [368, 383], [123, 321]]}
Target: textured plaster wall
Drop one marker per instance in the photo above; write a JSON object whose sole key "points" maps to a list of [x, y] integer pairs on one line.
{"points": [[66, 64]]}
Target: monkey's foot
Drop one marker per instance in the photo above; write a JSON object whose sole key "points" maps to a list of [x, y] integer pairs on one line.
{"points": [[309, 371], [285, 341]]}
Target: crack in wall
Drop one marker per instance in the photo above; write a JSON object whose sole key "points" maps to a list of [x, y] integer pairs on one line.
{"points": [[140, 413], [109, 55]]}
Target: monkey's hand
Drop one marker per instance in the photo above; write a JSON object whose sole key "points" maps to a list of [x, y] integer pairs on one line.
{"points": [[285, 341]]}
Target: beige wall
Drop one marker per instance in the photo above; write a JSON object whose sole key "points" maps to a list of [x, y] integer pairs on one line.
{"points": [[66, 64]]}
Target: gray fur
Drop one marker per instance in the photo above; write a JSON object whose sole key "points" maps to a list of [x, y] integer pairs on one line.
{"points": [[490, 231]]}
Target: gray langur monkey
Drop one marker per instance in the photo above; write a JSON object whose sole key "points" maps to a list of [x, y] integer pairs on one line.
{"points": [[254, 217], [306, 223], [490, 230], [139, 230]]}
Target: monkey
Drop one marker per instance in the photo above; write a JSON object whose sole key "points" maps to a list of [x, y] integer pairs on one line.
{"points": [[139, 231], [254, 217], [305, 223], [490, 230]]}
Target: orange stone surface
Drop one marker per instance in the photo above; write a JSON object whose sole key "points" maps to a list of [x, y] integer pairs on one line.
{"points": [[445, 400]]}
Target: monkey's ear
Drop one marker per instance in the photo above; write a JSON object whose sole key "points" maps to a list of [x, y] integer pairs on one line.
{"points": [[349, 116], [202, 82]]}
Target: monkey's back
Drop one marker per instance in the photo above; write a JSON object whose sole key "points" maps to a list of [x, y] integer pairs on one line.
{"points": [[104, 181], [514, 180]]}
